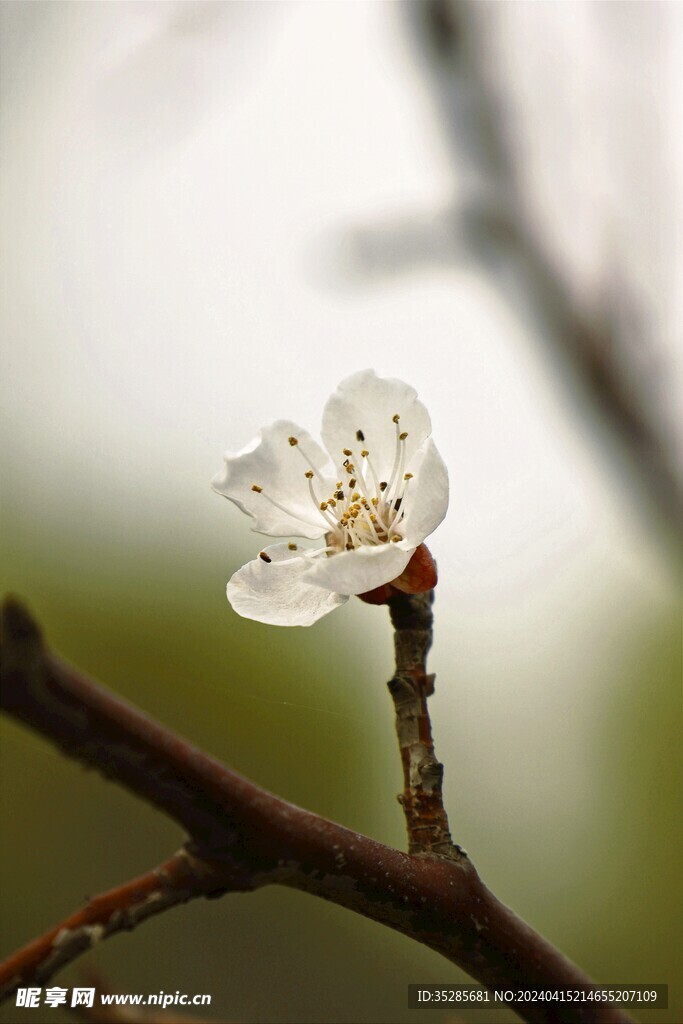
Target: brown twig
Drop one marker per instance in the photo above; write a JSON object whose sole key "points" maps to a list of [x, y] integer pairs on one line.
{"points": [[178, 880], [243, 837], [422, 798]]}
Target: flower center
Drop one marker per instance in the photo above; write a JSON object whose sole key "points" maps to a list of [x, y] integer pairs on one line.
{"points": [[362, 510]]}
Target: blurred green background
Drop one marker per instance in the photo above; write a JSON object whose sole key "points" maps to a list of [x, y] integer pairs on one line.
{"points": [[593, 863]]}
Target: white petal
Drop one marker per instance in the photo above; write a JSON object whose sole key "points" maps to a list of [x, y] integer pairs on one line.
{"points": [[277, 592], [355, 572], [368, 403], [272, 463], [426, 502]]}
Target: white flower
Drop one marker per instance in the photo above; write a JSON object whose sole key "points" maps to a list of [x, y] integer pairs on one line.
{"points": [[381, 490]]}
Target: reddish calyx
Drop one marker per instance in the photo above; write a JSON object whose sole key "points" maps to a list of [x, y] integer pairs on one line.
{"points": [[418, 576]]}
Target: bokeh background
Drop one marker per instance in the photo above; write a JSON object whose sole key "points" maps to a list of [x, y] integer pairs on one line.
{"points": [[212, 213]]}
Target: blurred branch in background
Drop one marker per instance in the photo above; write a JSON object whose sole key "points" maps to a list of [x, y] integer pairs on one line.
{"points": [[242, 837], [553, 209]]}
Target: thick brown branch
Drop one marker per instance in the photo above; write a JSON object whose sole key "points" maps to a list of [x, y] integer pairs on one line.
{"points": [[250, 837], [422, 798]]}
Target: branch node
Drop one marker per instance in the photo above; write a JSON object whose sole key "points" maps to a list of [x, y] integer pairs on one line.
{"points": [[244, 837], [431, 773]]}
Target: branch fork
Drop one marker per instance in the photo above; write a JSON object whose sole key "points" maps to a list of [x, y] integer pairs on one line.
{"points": [[241, 837]]}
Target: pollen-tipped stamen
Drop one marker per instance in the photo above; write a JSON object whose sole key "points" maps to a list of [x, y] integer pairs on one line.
{"points": [[294, 442], [373, 474], [397, 454], [378, 489], [308, 556], [399, 503], [257, 489], [397, 471], [366, 518], [329, 519], [360, 478]]}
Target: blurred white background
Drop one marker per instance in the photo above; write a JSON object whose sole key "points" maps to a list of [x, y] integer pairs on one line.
{"points": [[177, 183]]}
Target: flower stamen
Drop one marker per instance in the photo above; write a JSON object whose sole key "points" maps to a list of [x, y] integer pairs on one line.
{"points": [[294, 515], [368, 520], [361, 478], [399, 458], [375, 478], [307, 555], [294, 442]]}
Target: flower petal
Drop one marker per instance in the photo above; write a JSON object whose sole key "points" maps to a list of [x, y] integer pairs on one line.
{"points": [[426, 502], [355, 572], [367, 403], [278, 592], [279, 468]]}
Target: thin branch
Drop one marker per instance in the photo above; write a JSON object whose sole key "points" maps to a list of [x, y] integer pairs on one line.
{"points": [[243, 837], [422, 797], [176, 881]]}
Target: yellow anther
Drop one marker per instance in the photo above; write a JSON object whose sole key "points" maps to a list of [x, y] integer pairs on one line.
{"points": [[255, 487], [364, 454], [347, 451], [350, 468], [355, 496], [373, 517], [309, 474], [396, 417], [293, 547], [339, 484], [403, 436], [395, 539], [375, 502], [407, 476], [332, 502], [323, 506], [339, 495], [264, 556], [352, 482], [293, 441]]}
